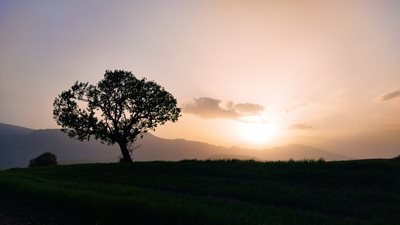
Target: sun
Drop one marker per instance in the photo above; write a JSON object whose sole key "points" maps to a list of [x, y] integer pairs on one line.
{"points": [[256, 131]]}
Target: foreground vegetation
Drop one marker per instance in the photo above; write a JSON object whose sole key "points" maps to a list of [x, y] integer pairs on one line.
{"points": [[206, 192]]}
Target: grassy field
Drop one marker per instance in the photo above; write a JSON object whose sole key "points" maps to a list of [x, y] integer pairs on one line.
{"points": [[206, 192]]}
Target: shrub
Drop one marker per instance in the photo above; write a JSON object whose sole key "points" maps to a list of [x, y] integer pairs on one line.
{"points": [[45, 159]]}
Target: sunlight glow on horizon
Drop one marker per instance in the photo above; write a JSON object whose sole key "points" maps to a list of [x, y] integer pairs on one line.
{"points": [[256, 130], [309, 72]]}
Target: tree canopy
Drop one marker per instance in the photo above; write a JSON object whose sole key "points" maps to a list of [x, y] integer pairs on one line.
{"points": [[119, 109], [45, 159]]}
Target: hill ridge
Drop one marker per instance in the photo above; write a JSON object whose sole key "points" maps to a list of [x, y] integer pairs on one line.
{"points": [[17, 150]]}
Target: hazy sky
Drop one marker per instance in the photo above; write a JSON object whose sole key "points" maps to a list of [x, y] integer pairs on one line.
{"points": [[247, 73]]}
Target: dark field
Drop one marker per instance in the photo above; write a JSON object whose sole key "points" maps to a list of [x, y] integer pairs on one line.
{"points": [[206, 192]]}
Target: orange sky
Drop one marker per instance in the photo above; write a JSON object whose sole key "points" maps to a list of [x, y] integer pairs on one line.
{"points": [[324, 73]]}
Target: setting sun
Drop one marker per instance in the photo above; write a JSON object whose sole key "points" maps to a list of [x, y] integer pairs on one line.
{"points": [[200, 112], [257, 131]]}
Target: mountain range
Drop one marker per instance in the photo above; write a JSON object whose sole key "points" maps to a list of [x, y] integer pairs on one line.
{"points": [[18, 145]]}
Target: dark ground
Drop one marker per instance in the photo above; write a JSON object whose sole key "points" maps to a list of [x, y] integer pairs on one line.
{"points": [[204, 192]]}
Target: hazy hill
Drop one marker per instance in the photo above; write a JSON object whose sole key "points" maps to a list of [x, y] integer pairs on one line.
{"points": [[7, 129], [18, 145], [298, 152], [18, 148]]}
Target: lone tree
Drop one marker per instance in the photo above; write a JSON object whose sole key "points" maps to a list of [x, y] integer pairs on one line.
{"points": [[119, 109], [45, 159]]}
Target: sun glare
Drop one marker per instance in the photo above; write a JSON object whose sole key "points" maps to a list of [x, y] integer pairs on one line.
{"points": [[257, 131]]}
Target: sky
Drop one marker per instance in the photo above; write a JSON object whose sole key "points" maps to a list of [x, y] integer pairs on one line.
{"points": [[252, 74]]}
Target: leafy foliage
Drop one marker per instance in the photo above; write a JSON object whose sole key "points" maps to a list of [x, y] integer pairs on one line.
{"points": [[45, 159], [119, 109]]}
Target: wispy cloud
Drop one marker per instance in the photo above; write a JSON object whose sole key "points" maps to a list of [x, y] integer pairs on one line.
{"points": [[301, 126], [210, 108], [390, 95]]}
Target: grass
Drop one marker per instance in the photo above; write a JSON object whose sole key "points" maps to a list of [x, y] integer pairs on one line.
{"points": [[207, 192]]}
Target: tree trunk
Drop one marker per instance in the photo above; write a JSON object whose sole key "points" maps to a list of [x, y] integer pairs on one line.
{"points": [[126, 157]]}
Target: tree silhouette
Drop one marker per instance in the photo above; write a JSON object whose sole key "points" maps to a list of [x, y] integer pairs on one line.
{"points": [[45, 159], [119, 109]]}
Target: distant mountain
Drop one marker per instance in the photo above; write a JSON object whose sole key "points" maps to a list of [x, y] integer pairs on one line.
{"points": [[379, 143], [16, 150], [155, 148], [18, 145], [298, 152], [7, 129]]}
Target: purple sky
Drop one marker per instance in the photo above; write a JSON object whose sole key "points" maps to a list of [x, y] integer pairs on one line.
{"points": [[323, 73]]}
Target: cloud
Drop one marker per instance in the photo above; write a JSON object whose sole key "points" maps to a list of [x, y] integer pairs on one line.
{"points": [[390, 95], [248, 108], [301, 126], [210, 108]]}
